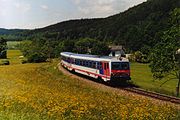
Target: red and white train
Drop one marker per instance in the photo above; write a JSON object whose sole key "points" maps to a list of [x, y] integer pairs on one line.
{"points": [[106, 68]]}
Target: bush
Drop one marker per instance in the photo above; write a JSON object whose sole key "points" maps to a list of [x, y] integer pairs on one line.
{"points": [[23, 61], [34, 52], [5, 62], [139, 57], [36, 58], [3, 54]]}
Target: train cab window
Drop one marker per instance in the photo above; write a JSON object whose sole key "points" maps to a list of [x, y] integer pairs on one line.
{"points": [[125, 66], [120, 66]]}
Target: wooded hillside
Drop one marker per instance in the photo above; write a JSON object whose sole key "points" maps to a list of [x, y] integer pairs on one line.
{"points": [[137, 28]]}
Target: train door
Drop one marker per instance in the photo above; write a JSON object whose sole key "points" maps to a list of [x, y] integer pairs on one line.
{"points": [[101, 69], [106, 69]]}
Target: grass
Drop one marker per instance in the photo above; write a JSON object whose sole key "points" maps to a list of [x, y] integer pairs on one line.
{"points": [[40, 91], [14, 57], [142, 76]]}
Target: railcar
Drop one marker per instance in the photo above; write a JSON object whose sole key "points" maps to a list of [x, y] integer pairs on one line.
{"points": [[103, 67]]}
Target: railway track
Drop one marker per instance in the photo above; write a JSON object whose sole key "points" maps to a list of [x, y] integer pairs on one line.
{"points": [[153, 95], [136, 90]]}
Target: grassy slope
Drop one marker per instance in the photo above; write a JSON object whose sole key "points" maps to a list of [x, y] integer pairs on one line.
{"points": [[142, 76], [14, 56], [40, 91]]}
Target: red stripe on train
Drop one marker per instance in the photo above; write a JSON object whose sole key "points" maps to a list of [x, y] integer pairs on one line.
{"points": [[87, 72]]}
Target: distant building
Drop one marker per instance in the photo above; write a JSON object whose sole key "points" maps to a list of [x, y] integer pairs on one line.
{"points": [[116, 51]]}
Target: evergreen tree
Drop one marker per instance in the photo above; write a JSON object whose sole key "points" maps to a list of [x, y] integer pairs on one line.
{"points": [[3, 48]]}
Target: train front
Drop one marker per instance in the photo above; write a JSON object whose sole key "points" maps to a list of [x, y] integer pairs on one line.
{"points": [[120, 71]]}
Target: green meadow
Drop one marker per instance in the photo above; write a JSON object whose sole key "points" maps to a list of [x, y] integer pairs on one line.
{"points": [[142, 77]]}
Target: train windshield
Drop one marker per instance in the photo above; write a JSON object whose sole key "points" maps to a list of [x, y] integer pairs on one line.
{"points": [[120, 65]]}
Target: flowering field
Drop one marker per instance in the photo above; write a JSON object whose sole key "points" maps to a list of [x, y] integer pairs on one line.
{"points": [[40, 91]]}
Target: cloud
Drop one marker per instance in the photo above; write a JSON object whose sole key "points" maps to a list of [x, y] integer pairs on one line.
{"points": [[95, 7], [45, 7], [103, 8], [22, 7]]}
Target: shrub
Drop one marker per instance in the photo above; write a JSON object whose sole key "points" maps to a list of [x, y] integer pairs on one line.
{"points": [[23, 61], [36, 58], [139, 57], [3, 54], [5, 62]]}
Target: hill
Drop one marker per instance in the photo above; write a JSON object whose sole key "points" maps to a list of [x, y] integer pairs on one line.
{"points": [[134, 28], [13, 34], [9, 31]]}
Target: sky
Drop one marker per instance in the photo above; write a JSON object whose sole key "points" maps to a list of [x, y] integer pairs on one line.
{"points": [[31, 14]]}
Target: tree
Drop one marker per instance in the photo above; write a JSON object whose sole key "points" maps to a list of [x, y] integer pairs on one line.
{"points": [[164, 55], [100, 48], [84, 45], [3, 48], [35, 51]]}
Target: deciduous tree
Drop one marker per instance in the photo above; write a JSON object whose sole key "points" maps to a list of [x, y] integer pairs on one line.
{"points": [[165, 58]]}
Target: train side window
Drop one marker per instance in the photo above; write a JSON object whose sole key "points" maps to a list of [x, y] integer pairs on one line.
{"points": [[89, 64], [73, 61], [78, 62], [68, 60], [86, 63], [94, 64], [82, 63]]}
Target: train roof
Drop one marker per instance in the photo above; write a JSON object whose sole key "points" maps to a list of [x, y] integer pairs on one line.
{"points": [[93, 57]]}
